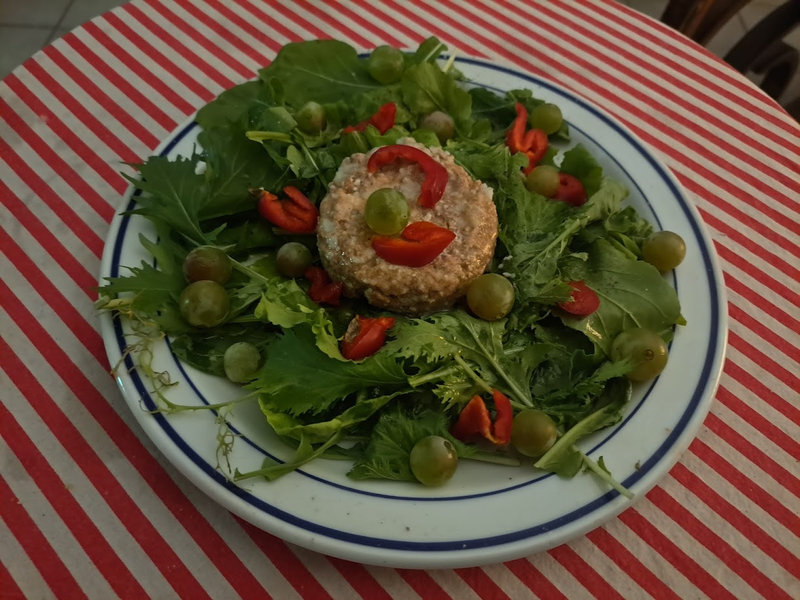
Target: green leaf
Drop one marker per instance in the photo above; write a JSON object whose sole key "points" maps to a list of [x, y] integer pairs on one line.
{"points": [[625, 229], [285, 304], [149, 292], [319, 70], [300, 378], [234, 166], [538, 233], [174, 195], [497, 109], [275, 119], [248, 234], [493, 165], [427, 88], [160, 274], [234, 105], [563, 458], [205, 350], [428, 51], [398, 429], [426, 137], [568, 381], [319, 431], [305, 453], [633, 294], [500, 112], [457, 335], [522, 357], [392, 136], [579, 163]]}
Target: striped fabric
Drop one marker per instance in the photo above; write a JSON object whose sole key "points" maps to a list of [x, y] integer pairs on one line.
{"points": [[88, 507]]}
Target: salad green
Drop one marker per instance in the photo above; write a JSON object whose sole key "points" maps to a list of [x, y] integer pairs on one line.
{"points": [[285, 129]]}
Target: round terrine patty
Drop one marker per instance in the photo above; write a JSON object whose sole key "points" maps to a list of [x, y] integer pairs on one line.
{"points": [[345, 241]]}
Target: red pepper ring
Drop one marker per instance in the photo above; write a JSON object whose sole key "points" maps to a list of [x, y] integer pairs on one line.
{"points": [[365, 336], [382, 120], [582, 302], [296, 214], [436, 176], [419, 244], [323, 290], [475, 421]]}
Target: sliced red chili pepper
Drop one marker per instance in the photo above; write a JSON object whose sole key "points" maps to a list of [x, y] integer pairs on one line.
{"points": [[382, 120], [419, 244], [504, 417], [365, 336], [533, 143], [323, 290], [296, 214], [570, 190], [436, 177], [515, 136], [537, 148], [582, 302], [475, 421]]}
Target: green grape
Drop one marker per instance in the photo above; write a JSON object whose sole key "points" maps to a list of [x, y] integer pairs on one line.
{"points": [[543, 180], [241, 361], [490, 296], [204, 303], [311, 117], [386, 64], [292, 259], [207, 262], [439, 123], [433, 460], [646, 350], [546, 117], [386, 211], [665, 250], [533, 432]]}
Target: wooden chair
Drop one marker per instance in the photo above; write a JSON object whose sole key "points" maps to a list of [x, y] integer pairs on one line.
{"points": [[761, 50], [700, 19]]}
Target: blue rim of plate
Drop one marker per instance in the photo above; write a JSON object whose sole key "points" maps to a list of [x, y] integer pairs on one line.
{"points": [[706, 383]]}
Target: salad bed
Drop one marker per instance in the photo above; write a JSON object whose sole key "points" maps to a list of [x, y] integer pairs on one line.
{"points": [[375, 410]]}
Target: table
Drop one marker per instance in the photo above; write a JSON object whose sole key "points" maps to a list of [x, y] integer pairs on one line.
{"points": [[89, 508]]}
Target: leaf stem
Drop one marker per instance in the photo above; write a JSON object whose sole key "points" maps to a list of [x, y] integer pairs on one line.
{"points": [[277, 469], [261, 136], [495, 458], [242, 268], [312, 160], [171, 407], [418, 380], [604, 475], [479, 380], [482, 383], [520, 396], [449, 64], [436, 51]]}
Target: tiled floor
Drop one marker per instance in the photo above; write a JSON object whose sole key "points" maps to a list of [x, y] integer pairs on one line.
{"points": [[27, 25]]}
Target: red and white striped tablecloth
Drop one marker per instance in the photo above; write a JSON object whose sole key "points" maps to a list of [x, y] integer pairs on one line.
{"points": [[89, 508]]}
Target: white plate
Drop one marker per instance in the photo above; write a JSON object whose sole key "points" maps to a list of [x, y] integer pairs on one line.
{"points": [[486, 513]]}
